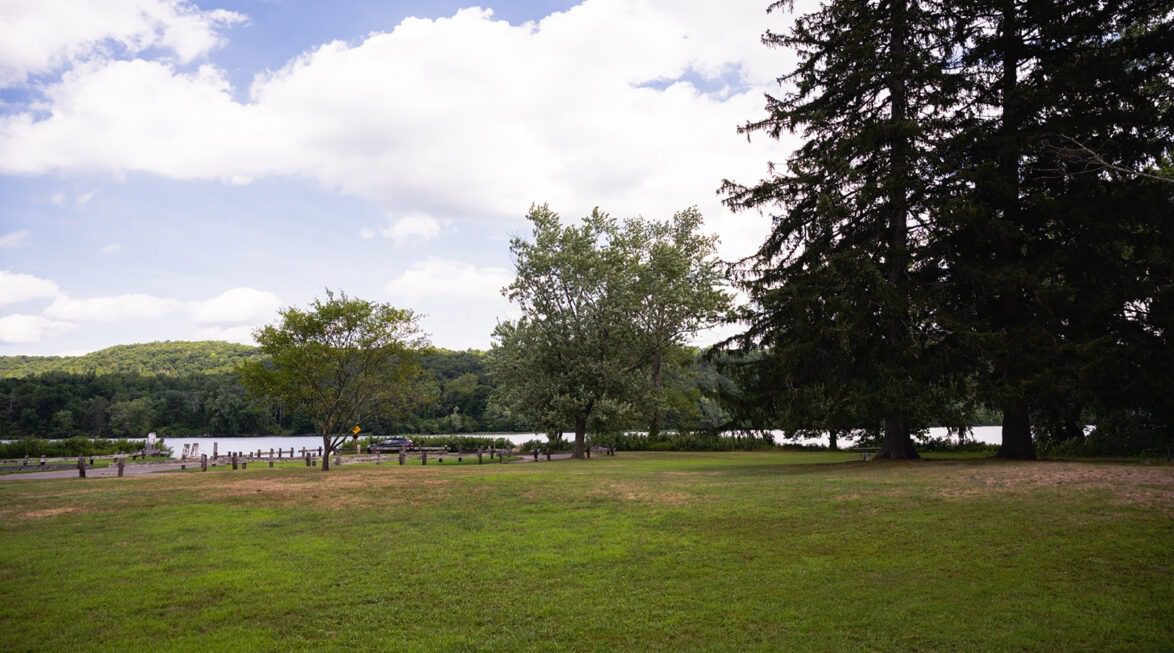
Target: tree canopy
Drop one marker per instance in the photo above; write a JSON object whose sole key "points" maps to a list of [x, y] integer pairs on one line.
{"points": [[338, 361], [603, 303]]}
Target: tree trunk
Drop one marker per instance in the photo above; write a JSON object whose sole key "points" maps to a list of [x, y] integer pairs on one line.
{"points": [[833, 441], [1016, 416], [897, 445], [326, 453], [580, 435], [657, 412], [1016, 432]]}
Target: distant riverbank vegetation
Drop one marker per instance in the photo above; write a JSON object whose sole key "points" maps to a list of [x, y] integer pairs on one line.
{"points": [[184, 389]]}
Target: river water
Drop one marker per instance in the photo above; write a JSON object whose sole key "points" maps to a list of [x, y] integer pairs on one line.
{"points": [[987, 434]]}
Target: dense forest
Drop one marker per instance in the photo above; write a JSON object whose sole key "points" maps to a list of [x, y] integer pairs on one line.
{"points": [[190, 388]]}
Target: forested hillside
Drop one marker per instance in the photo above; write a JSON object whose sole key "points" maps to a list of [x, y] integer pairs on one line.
{"points": [[148, 359], [189, 388]]}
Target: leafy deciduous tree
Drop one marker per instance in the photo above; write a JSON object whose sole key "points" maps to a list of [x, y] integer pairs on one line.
{"points": [[337, 361]]}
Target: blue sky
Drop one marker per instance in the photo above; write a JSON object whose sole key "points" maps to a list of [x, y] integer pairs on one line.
{"points": [[175, 170]]}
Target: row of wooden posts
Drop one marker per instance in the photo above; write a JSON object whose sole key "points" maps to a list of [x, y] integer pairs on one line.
{"points": [[241, 459]]}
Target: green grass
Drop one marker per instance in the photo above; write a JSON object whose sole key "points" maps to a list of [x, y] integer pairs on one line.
{"points": [[666, 551]]}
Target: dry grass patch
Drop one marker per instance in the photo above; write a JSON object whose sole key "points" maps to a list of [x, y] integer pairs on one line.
{"points": [[641, 492], [331, 490], [47, 512], [1127, 484]]}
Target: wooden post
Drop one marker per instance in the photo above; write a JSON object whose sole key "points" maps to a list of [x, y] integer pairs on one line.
{"points": [[270, 452], [244, 464], [424, 457], [81, 466], [306, 456], [479, 452], [319, 452], [279, 452], [121, 464], [588, 452], [501, 456], [401, 456], [203, 462], [234, 461], [548, 453], [215, 449], [535, 454]]}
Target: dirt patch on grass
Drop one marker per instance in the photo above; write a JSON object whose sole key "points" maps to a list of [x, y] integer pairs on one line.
{"points": [[47, 512], [336, 490], [643, 493], [1126, 484]]}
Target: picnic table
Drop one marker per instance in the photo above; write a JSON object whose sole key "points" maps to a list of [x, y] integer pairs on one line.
{"points": [[865, 452]]}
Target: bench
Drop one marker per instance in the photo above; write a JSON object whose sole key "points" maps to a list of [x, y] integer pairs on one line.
{"points": [[865, 452]]}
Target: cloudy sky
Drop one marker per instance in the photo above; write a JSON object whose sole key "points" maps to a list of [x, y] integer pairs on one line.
{"points": [[172, 170]]}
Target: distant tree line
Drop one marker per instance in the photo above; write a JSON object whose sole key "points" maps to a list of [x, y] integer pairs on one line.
{"points": [[199, 398]]}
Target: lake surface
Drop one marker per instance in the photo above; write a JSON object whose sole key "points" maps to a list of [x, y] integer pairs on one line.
{"points": [[987, 434]]}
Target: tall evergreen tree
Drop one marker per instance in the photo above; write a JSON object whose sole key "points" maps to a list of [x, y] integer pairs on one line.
{"points": [[835, 293], [1042, 253]]}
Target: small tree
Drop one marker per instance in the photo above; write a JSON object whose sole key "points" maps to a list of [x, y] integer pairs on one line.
{"points": [[337, 361]]}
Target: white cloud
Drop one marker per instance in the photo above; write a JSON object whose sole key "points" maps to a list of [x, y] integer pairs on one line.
{"points": [[436, 277], [111, 249], [24, 329], [464, 116], [237, 306], [367, 233], [232, 307], [39, 36], [16, 288], [411, 229], [118, 308], [242, 334], [14, 238]]}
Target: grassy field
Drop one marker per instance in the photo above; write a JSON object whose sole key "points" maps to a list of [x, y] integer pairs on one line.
{"points": [[731, 551]]}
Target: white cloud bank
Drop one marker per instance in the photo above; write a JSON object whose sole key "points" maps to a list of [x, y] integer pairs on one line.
{"points": [[437, 277], [230, 315], [24, 329], [39, 36], [16, 288], [458, 117]]}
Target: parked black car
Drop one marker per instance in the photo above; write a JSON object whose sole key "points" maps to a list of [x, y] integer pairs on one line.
{"points": [[390, 445]]}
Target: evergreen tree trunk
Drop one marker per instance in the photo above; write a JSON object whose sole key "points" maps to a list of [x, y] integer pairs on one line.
{"points": [[1016, 417], [897, 443], [1016, 432], [657, 384]]}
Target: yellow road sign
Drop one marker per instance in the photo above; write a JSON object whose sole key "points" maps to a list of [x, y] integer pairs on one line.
{"points": [[356, 429]]}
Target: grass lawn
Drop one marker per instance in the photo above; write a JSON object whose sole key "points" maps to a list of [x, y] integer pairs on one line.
{"points": [[730, 551]]}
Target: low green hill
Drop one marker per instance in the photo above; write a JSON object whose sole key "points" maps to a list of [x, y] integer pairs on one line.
{"points": [[149, 359]]}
